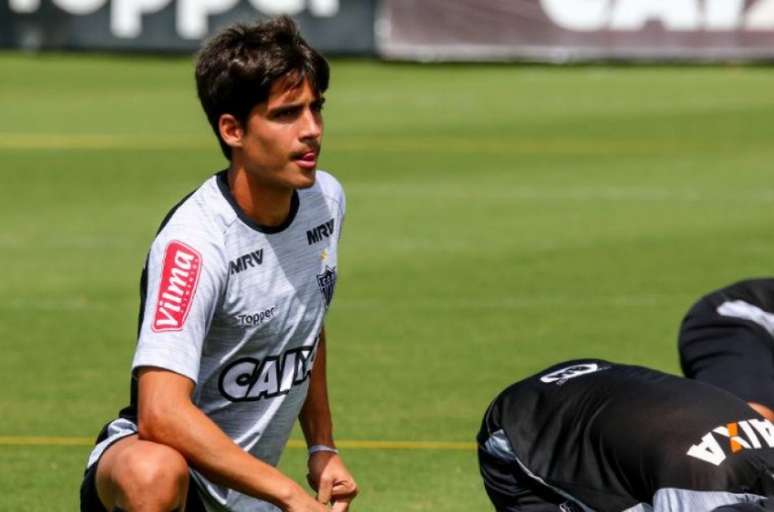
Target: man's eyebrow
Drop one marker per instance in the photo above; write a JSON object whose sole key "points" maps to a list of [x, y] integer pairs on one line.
{"points": [[286, 106], [295, 104]]}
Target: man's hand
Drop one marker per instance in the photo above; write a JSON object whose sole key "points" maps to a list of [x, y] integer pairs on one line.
{"points": [[332, 480], [302, 502]]}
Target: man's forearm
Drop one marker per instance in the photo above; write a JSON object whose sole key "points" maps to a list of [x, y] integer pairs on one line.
{"points": [[315, 415], [181, 425]]}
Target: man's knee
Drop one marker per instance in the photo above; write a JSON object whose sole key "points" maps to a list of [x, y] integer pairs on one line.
{"points": [[145, 476], [152, 465]]}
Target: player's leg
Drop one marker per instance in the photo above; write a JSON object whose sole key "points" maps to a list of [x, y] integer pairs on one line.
{"points": [[730, 353], [139, 476], [510, 490]]}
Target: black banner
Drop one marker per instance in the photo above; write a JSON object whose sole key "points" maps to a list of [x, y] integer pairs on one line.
{"points": [[332, 26]]}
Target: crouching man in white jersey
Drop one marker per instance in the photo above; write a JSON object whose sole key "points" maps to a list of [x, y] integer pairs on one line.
{"points": [[231, 346]]}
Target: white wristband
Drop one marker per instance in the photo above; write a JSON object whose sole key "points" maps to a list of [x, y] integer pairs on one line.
{"points": [[321, 448]]}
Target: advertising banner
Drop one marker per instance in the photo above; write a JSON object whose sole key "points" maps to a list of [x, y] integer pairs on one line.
{"points": [[576, 30], [332, 26]]}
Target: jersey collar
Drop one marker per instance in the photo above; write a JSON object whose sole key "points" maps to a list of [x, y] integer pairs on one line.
{"points": [[222, 180]]}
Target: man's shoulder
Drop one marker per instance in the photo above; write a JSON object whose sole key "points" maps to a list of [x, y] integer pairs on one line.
{"points": [[330, 189], [328, 185], [202, 217]]}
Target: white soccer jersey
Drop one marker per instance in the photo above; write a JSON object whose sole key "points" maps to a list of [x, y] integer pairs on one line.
{"points": [[238, 308]]}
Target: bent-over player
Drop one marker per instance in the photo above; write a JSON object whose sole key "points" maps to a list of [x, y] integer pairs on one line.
{"points": [[590, 435], [231, 346], [727, 339]]}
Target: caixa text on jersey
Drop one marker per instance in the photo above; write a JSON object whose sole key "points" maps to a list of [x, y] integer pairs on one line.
{"points": [[250, 379]]}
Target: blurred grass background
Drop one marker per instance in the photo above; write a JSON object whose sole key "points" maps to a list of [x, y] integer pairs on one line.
{"points": [[500, 219]]}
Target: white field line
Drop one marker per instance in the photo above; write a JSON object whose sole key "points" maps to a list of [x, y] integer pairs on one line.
{"points": [[430, 304], [518, 145], [105, 243], [438, 191], [613, 193], [293, 443], [42, 141]]}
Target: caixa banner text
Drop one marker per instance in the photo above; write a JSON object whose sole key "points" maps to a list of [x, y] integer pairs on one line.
{"points": [[576, 30]]}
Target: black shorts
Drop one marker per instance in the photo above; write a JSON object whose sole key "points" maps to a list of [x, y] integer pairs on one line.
{"points": [[511, 490], [90, 501]]}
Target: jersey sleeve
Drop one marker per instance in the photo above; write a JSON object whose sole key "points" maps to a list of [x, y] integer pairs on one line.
{"points": [[342, 209], [334, 193], [184, 282]]}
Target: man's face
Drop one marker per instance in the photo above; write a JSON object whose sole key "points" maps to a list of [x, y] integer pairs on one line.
{"points": [[282, 137]]}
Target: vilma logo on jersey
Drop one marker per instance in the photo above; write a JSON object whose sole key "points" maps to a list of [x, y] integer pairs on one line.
{"points": [[725, 440], [177, 287]]}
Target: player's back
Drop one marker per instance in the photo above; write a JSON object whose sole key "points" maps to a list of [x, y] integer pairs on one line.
{"points": [[611, 436]]}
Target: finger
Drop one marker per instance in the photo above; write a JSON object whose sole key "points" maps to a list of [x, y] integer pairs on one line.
{"points": [[311, 482], [344, 489], [340, 506], [324, 490]]}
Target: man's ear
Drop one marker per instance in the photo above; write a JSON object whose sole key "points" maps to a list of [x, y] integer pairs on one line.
{"points": [[231, 130]]}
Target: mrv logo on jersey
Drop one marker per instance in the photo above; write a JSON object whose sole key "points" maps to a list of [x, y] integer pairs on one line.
{"points": [[320, 233], [179, 277], [249, 260], [251, 379], [725, 440]]}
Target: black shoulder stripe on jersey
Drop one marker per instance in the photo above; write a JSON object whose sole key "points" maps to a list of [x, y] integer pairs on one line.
{"points": [[130, 412], [144, 276], [222, 179]]}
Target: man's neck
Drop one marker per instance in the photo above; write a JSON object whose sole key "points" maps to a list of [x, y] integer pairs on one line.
{"points": [[267, 206]]}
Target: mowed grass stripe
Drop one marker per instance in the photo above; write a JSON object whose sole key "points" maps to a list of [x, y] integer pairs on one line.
{"points": [[390, 143], [293, 443]]}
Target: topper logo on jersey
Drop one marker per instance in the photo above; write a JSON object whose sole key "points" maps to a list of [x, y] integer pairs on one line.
{"points": [[177, 287], [250, 379], [320, 233], [570, 372], [259, 318], [725, 440]]}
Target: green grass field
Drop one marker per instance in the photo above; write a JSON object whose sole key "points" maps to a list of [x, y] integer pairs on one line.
{"points": [[500, 218]]}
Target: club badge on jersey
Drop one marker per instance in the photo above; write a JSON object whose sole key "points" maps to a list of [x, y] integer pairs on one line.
{"points": [[179, 277], [327, 283]]}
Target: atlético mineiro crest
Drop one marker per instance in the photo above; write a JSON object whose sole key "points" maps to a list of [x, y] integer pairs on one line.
{"points": [[327, 282]]}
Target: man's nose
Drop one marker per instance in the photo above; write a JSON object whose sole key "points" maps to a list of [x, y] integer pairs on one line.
{"points": [[312, 125]]}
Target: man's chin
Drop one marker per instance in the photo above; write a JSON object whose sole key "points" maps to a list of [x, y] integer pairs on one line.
{"points": [[305, 179]]}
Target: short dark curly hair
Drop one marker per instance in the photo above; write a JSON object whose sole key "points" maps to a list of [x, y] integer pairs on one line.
{"points": [[236, 69]]}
